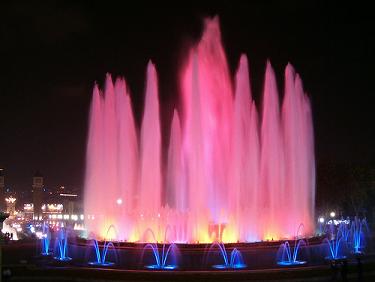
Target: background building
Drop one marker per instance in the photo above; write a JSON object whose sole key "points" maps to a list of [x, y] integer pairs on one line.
{"points": [[10, 205], [37, 195]]}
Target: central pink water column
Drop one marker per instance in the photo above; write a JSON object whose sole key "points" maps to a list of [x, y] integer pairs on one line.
{"points": [[207, 94]]}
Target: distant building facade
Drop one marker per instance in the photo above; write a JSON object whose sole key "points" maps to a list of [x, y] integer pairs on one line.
{"points": [[11, 205], [38, 183]]}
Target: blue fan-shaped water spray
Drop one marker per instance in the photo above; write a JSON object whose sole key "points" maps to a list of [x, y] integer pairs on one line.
{"points": [[101, 257], [62, 243], [234, 261], [357, 235], [335, 247], [46, 240], [161, 257], [288, 256]]}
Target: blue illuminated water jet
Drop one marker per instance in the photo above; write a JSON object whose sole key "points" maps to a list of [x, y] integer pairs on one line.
{"points": [[46, 240], [234, 262], [335, 247], [62, 243], [357, 239], [101, 258], [287, 258], [162, 257]]}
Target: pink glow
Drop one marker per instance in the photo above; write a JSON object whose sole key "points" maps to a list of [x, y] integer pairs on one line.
{"points": [[229, 174]]}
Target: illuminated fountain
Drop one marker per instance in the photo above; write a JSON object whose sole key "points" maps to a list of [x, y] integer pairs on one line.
{"points": [[289, 257], [230, 175], [234, 261], [336, 245], [343, 230], [101, 257], [61, 245], [46, 240], [161, 256], [357, 233]]}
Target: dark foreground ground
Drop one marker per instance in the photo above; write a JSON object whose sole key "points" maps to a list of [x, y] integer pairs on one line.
{"points": [[20, 264], [322, 273]]}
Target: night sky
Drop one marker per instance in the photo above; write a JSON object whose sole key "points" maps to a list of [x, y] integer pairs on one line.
{"points": [[52, 52]]}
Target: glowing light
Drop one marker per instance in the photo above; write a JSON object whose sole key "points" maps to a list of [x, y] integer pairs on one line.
{"points": [[119, 201], [78, 227], [229, 236], [68, 195], [28, 207], [321, 219], [39, 234], [332, 214], [55, 207], [10, 200]]}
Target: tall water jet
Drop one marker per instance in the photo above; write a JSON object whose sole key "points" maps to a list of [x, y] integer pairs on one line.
{"points": [[127, 162], [110, 157], [245, 155], [176, 190], [272, 161], [193, 151], [93, 193], [149, 201], [206, 82], [299, 173]]}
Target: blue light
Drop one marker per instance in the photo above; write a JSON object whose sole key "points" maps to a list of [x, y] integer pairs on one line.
{"points": [[161, 258], [101, 258], [335, 247], [289, 259], [288, 263], [357, 235], [234, 262], [62, 242], [46, 240]]}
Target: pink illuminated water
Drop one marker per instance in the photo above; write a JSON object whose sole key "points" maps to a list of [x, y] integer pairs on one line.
{"points": [[229, 175]]}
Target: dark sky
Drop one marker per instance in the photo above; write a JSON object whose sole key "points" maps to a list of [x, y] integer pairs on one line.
{"points": [[52, 52]]}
